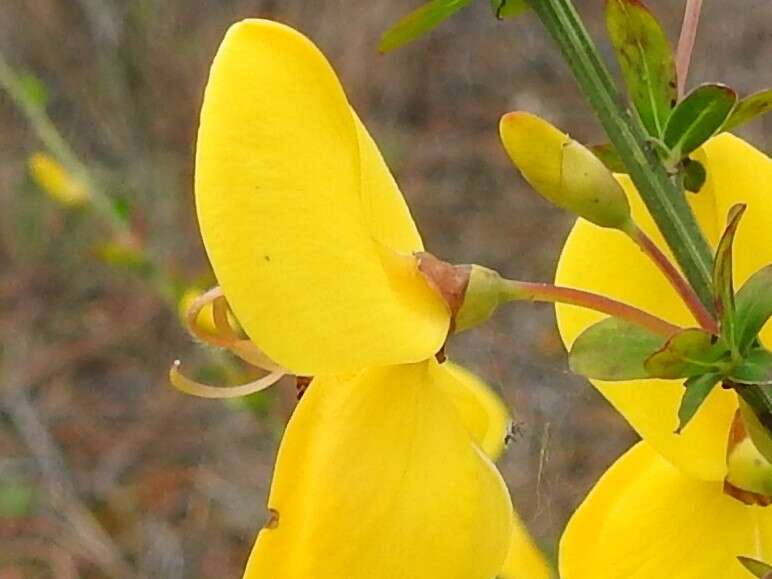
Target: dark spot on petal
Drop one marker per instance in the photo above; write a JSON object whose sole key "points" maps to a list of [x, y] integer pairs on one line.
{"points": [[273, 519]]}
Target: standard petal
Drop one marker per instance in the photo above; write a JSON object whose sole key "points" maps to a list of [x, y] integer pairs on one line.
{"points": [[385, 210], [647, 520], [607, 262], [481, 409], [377, 478], [279, 201], [525, 560], [739, 173]]}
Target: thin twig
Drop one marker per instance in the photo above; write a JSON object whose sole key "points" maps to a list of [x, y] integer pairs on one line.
{"points": [[61, 490], [686, 42]]}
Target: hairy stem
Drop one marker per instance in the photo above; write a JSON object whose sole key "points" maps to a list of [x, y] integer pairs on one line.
{"points": [[663, 198]]}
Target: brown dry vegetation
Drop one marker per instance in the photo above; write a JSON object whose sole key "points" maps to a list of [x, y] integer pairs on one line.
{"points": [[104, 469]]}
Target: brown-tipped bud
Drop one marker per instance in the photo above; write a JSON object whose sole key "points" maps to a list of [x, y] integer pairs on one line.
{"points": [[564, 171]]}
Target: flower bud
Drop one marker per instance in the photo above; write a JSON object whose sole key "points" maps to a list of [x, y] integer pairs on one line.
{"points": [[564, 171], [56, 181], [749, 473]]}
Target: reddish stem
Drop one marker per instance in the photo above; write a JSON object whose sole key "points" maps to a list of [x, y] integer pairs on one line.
{"points": [[544, 292], [686, 42], [688, 295]]}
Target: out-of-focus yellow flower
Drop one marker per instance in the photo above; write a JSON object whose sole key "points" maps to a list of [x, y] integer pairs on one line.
{"points": [[56, 181], [607, 262], [307, 232], [646, 519]]}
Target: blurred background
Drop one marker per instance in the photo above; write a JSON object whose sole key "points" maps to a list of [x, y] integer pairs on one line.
{"points": [[105, 470]]}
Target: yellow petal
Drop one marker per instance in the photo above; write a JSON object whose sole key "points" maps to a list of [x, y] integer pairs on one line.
{"points": [[608, 263], [739, 173], [313, 280], [481, 409], [646, 520], [525, 560], [377, 478]]}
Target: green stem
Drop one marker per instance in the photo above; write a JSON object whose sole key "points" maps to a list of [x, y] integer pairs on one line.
{"points": [[664, 200], [56, 144]]}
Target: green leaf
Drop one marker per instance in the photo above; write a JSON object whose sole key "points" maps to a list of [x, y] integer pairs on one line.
{"points": [[694, 175], [698, 388], [749, 108], [688, 353], [755, 368], [608, 155], [17, 499], [419, 22], [34, 90], [508, 8], [753, 307], [757, 568], [613, 349], [697, 118], [756, 411], [646, 59], [723, 286]]}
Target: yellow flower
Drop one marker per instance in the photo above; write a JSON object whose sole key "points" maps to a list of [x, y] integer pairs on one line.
{"points": [[307, 232], [646, 519], [55, 180], [607, 262], [380, 471], [377, 478], [661, 510]]}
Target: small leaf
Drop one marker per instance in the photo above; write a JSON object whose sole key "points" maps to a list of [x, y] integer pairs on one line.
{"points": [[508, 8], [646, 59], [757, 568], [756, 411], [756, 368], [749, 108], [698, 388], [753, 307], [613, 349], [17, 499], [694, 175], [608, 155], [419, 22], [34, 90], [689, 353], [723, 286], [697, 118]]}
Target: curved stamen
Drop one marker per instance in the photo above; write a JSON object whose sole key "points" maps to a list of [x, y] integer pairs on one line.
{"points": [[189, 386], [225, 337]]}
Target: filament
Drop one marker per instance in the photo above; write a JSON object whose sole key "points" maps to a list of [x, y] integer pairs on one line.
{"points": [[189, 386]]}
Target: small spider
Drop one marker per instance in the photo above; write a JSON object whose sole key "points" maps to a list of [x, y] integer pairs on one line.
{"points": [[515, 431]]}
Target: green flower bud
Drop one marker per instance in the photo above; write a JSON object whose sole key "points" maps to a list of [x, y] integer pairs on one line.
{"points": [[564, 171]]}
